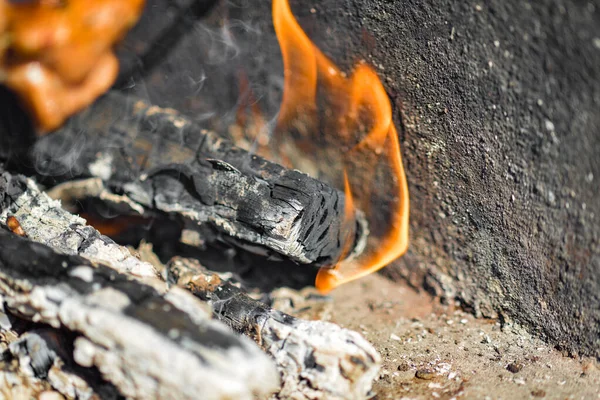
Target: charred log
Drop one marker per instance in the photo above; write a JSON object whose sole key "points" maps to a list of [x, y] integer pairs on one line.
{"points": [[162, 162], [316, 359]]}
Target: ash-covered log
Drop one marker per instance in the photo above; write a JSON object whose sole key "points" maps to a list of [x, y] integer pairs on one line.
{"points": [[125, 325], [43, 220], [316, 359], [147, 344], [161, 162]]}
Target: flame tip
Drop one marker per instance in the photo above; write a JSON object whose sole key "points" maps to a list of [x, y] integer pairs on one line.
{"points": [[355, 103]]}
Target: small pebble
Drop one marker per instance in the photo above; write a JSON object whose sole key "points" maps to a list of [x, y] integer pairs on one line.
{"points": [[395, 337], [403, 367], [520, 381], [424, 373], [514, 367], [538, 393]]}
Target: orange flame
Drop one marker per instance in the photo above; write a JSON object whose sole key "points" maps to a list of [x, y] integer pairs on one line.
{"points": [[344, 125]]}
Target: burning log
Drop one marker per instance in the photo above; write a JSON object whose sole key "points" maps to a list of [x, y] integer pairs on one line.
{"points": [[145, 343], [316, 359], [158, 161]]}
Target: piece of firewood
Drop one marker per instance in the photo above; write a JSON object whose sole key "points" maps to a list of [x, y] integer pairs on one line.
{"points": [[43, 220], [46, 222], [146, 344], [166, 163], [316, 359]]}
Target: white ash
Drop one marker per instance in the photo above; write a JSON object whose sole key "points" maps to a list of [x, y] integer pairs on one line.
{"points": [[345, 363]]}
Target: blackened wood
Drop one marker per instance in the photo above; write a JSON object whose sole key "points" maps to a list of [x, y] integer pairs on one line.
{"points": [[316, 359], [165, 163], [145, 343]]}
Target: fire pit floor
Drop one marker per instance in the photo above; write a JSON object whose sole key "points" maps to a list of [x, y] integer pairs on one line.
{"points": [[435, 351]]}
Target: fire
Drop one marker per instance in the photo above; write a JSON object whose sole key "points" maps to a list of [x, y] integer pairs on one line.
{"points": [[343, 125]]}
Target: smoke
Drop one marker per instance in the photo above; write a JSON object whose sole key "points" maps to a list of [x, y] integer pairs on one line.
{"points": [[200, 76], [58, 158]]}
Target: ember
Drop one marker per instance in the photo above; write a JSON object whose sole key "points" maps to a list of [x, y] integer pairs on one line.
{"points": [[57, 56], [344, 121], [15, 227]]}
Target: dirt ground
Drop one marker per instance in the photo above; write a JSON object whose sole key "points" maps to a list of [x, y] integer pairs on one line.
{"points": [[433, 351]]}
